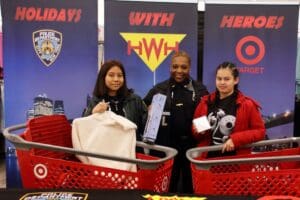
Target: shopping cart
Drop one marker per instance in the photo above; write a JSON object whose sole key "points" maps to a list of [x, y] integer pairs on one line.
{"points": [[47, 160], [275, 172]]}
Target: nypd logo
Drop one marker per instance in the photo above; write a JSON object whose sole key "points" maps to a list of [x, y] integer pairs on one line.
{"points": [[47, 45]]}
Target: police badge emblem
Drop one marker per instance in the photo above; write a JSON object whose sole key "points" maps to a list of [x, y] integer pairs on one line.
{"points": [[47, 44]]}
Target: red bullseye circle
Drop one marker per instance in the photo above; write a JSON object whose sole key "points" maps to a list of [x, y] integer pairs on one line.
{"points": [[40, 171], [250, 50]]}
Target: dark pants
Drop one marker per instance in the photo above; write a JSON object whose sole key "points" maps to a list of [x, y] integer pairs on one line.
{"points": [[181, 179]]}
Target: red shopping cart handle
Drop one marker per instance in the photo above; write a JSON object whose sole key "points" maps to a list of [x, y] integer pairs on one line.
{"points": [[194, 153], [20, 143]]}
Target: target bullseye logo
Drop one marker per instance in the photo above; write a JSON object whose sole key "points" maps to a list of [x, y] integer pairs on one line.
{"points": [[40, 171], [165, 183], [250, 50]]}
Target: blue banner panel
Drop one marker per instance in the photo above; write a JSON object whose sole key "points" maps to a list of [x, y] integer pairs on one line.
{"points": [[50, 47], [50, 60], [262, 41], [142, 35]]}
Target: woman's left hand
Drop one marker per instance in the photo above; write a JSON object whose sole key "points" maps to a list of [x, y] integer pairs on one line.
{"points": [[228, 146]]}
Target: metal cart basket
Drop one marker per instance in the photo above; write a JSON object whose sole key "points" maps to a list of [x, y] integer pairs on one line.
{"points": [[47, 160], [257, 174]]}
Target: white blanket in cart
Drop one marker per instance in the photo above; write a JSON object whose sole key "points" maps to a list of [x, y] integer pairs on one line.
{"points": [[105, 133]]}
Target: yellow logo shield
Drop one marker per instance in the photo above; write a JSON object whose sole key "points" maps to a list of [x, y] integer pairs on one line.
{"points": [[152, 48]]}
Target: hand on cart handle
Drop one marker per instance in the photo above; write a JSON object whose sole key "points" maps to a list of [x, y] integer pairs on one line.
{"points": [[228, 146]]}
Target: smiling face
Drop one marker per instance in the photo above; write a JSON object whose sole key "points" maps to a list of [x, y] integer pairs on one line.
{"points": [[180, 68], [114, 80], [225, 82]]}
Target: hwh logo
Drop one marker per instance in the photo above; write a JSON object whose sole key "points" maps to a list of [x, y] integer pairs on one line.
{"points": [[152, 48], [157, 48]]}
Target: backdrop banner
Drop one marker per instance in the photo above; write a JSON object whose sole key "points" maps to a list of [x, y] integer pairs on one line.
{"points": [[142, 35], [262, 41], [50, 58]]}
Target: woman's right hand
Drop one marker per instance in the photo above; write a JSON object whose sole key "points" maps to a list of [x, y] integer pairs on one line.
{"points": [[101, 107]]}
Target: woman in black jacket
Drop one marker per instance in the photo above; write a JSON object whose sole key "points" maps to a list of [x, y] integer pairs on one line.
{"points": [[111, 92]]}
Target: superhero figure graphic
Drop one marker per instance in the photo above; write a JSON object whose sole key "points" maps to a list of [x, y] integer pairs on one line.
{"points": [[222, 125]]}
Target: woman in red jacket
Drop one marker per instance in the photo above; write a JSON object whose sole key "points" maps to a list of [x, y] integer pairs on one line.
{"points": [[234, 118]]}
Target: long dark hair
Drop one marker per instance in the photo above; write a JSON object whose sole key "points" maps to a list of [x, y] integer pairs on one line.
{"points": [[235, 73], [101, 89]]}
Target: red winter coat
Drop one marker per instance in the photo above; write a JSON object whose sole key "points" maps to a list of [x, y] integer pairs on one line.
{"points": [[249, 125]]}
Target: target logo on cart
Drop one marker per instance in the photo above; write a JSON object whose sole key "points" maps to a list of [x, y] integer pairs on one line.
{"points": [[165, 183], [250, 50], [40, 171]]}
